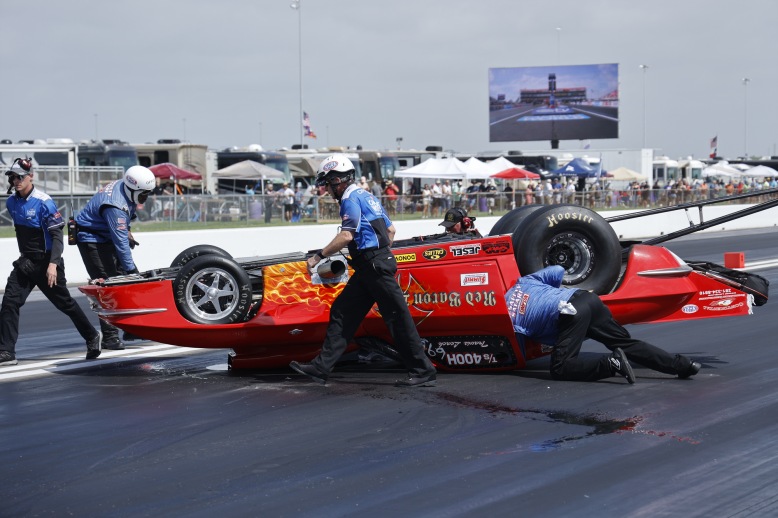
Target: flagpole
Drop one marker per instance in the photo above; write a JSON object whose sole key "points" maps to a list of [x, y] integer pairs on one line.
{"points": [[296, 5]]}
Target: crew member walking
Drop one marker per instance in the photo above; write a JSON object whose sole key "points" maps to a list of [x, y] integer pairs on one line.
{"points": [[104, 237], [38, 226], [368, 233]]}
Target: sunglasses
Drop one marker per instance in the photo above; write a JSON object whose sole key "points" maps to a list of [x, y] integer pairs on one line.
{"points": [[12, 177]]}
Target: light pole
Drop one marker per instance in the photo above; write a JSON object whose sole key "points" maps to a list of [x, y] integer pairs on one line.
{"points": [[296, 5], [559, 45], [745, 116], [644, 68], [97, 134]]}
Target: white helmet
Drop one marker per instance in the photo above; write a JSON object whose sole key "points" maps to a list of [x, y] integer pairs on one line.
{"points": [[334, 165], [138, 181]]}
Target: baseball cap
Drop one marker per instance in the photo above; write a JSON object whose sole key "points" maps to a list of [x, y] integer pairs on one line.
{"points": [[452, 217]]}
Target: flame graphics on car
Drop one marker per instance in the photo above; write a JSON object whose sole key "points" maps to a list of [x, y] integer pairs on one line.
{"points": [[289, 283]]}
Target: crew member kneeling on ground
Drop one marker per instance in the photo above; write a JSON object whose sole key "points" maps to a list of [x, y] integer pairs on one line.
{"points": [[544, 311], [104, 237], [456, 221], [368, 233], [38, 225]]}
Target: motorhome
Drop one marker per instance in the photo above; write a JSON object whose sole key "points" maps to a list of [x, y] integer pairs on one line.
{"points": [[255, 153], [188, 156], [58, 166]]}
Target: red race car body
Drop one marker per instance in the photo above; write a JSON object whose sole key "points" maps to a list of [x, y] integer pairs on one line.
{"points": [[270, 311]]}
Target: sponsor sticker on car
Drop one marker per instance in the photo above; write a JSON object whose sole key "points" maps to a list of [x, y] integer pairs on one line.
{"points": [[474, 279], [434, 254], [405, 258]]}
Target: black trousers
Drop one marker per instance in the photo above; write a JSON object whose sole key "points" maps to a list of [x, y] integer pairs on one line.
{"points": [[17, 290], [594, 320], [101, 262], [373, 282]]}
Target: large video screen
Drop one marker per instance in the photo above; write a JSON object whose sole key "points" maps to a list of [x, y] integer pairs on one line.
{"points": [[571, 102]]}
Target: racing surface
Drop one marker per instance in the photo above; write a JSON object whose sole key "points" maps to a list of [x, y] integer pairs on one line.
{"points": [[157, 430], [518, 124]]}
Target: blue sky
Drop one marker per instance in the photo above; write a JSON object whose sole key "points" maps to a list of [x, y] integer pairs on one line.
{"points": [[227, 73]]}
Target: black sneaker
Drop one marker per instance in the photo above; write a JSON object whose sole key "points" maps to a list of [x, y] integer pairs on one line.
{"points": [[112, 343], [620, 365], [418, 381], [7, 358], [93, 347], [691, 370], [309, 370]]}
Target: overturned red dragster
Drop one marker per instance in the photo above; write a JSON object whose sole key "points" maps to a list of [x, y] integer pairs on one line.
{"points": [[269, 310]]}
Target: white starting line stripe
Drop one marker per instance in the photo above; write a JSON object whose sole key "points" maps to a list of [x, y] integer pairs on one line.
{"points": [[760, 265], [107, 357]]}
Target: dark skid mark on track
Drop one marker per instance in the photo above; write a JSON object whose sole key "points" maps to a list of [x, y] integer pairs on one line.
{"points": [[599, 425]]}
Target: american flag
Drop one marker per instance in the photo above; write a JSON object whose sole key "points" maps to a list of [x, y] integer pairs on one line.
{"points": [[714, 142], [307, 125]]}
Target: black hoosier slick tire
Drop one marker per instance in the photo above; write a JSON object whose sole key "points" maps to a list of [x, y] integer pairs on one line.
{"points": [[212, 290], [574, 237], [193, 252], [511, 222]]}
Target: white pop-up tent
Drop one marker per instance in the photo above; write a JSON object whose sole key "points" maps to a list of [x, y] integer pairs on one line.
{"points": [[439, 168]]}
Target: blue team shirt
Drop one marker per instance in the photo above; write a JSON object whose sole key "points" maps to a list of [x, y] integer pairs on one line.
{"points": [[533, 303], [34, 217], [362, 214], [106, 219]]}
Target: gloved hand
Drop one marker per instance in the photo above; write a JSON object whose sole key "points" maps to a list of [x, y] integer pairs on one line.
{"points": [[133, 243]]}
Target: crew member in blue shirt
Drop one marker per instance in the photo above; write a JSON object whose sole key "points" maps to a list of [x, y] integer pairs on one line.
{"points": [[368, 233], [104, 238], [544, 311], [38, 226]]}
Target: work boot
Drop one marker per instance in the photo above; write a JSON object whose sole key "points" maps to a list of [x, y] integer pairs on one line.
{"points": [[691, 370], [309, 370], [112, 343], [429, 380], [7, 358], [93, 346], [620, 365]]}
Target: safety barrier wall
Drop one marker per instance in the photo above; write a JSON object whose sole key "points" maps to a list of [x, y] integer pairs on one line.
{"points": [[157, 249]]}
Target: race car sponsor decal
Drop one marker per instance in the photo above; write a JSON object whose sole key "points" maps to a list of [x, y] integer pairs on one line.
{"points": [[474, 279], [554, 219], [690, 308], [405, 258], [719, 307], [470, 351], [720, 293], [434, 254], [499, 247], [463, 250]]}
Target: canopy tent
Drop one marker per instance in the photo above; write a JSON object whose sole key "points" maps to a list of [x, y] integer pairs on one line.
{"points": [[168, 170], [722, 169], [248, 170], [623, 173], [503, 168], [439, 168], [761, 171], [578, 167], [479, 168]]}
